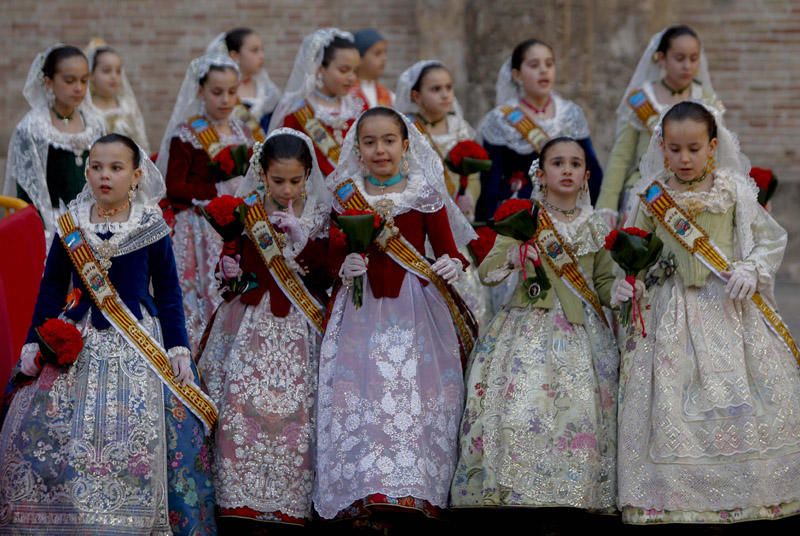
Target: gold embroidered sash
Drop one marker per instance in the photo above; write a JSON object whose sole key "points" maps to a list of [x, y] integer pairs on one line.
{"points": [[404, 254], [530, 131], [105, 297], [643, 108], [241, 112], [262, 234], [564, 263], [694, 239], [206, 134], [320, 135]]}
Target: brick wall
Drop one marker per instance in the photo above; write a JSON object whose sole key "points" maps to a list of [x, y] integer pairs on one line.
{"points": [[753, 47]]}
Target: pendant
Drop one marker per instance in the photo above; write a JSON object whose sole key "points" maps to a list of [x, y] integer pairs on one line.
{"points": [[105, 251], [534, 291], [78, 160]]}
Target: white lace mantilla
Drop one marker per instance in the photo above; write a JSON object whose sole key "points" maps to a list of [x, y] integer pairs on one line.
{"points": [[568, 120]]}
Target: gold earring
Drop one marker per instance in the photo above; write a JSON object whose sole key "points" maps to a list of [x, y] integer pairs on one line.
{"points": [[405, 166], [666, 164], [303, 195], [131, 194], [711, 164]]}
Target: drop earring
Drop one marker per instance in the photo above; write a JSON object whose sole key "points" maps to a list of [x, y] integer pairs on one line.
{"points": [[132, 193]]}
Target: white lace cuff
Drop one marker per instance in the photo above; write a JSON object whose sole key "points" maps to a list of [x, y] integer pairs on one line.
{"points": [[30, 348], [179, 351]]}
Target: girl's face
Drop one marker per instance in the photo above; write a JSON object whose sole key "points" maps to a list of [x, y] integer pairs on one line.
{"points": [[381, 144], [537, 73], [69, 82], [219, 93], [110, 174], [286, 180], [339, 77], [435, 97], [373, 62], [681, 61], [107, 75], [687, 147], [564, 171], [251, 56]]}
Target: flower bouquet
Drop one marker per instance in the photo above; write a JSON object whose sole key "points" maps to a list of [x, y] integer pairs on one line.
{"points": [[465, 158], [226, 215], [360, 228], [60, 343], [231, 161]]}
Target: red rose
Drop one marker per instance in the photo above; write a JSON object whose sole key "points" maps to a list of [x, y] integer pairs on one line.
{"points": [[467, 149], [223, 208], [225, 160], [635, 231], [611, 239], [356, 212], [338, 238], [63, 338], [762, 176], [512, 206]]}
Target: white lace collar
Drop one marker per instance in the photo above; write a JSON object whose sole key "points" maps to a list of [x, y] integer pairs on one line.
{"points": [[719, 199], [41, 126], [586, 233], [417, 195]]}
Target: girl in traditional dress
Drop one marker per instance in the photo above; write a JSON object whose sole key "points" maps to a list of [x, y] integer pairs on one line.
{"points": [[261, 360], [196, 158], [258, 94], [539, 427], [528, 113], [425, 95], [372, 49], [48, 149], [317, 100], [709, 422], [112, 444], [390, 383], [112, 94], [672, 69]]}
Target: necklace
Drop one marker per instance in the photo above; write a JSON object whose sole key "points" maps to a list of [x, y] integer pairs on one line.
{"points": [[567, 213], [325, 98], [64, 118], [391, 181], [674, 92], [690, 184], [108, 212], [431, 124], [536, 110]]}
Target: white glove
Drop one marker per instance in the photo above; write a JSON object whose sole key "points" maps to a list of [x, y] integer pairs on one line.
{"points": [[742, 282], [229, 267], [466, 204], [513, 255], [27, 360], [447, 268], [622, 291], [181, 362], [354, 265], [289, 224]]}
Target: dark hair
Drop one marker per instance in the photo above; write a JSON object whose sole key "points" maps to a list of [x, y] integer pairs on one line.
{"points": [[218, 68], [285, 147], [673, 32], [338, 43], [521, 49], [383, 112], [694, 111], [235, 38], [552, 142], [56, 56], [428, 68], [99, 52], [124, 140]]}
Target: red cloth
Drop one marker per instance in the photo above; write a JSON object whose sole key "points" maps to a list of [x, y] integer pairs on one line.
{"points": [[385, 275], [22, 238], [188, 175]]}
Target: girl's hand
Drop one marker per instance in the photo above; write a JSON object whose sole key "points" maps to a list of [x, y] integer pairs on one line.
{"points": [[354, 265], [467, 205], [447, 268], [513, 255], [623, 291], [742, 282], [28, 365], [289, 224], [181, 362], [229, 267]]}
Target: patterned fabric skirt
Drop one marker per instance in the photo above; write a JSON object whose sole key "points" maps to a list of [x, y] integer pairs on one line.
{"points": [[104, 448], [539, 427], [390, 399], [709, 413], [197, 248], [261, 371]]}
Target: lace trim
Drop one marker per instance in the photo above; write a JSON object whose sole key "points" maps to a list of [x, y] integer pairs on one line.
{"points": [[718, 200], [568, 120], [179, 351], [586, 233], [145, 226], [39, 125], [417, 196]]}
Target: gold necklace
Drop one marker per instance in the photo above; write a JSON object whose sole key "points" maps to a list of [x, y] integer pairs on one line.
{"points": [[108, 212], [567, 213], [690, 184]]}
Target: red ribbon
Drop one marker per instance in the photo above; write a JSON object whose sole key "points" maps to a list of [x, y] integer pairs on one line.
{"points": [[637, 310]]}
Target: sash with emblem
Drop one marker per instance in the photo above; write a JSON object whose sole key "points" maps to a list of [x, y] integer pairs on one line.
{"points": [[105, 297], [694, 239], [242, 112], [562, 260], [452, 187], [262, 234], [530, 131], [206, 134], [643, 108], [318, 133], [403, 253]]}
